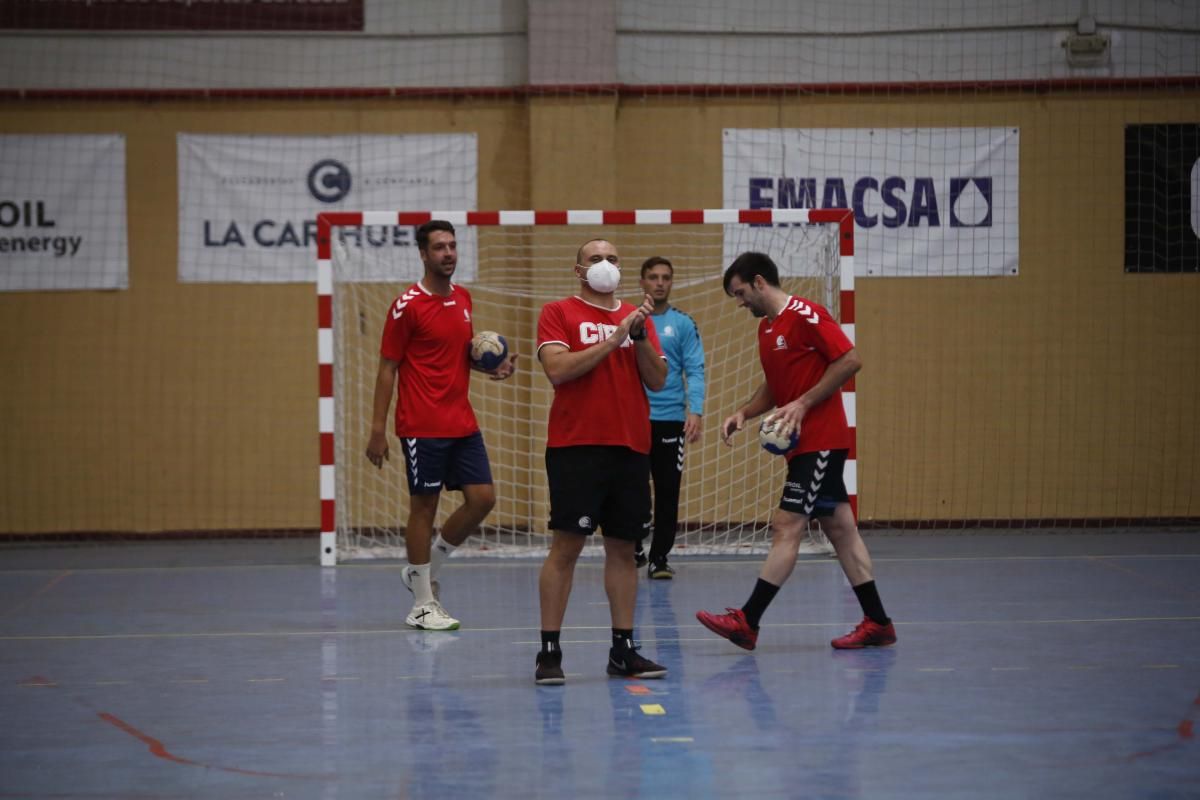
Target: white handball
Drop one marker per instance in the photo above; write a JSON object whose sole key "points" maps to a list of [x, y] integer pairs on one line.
{"points": [[773, 441], [488, 350]]}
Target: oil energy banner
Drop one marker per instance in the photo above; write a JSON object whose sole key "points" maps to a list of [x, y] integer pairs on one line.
{"points": [[927, 202], [62, 213]]}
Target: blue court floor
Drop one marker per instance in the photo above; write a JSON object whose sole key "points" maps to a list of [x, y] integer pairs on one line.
{"points": [[1028, 666]]}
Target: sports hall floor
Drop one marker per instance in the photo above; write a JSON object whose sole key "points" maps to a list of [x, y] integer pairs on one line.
{"points": [[1030, 665]]}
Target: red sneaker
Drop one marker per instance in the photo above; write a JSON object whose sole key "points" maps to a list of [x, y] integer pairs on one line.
{"points": [[867, 634], [732, 626]]}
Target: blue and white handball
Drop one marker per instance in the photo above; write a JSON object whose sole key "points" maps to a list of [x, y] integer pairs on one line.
{"points": [[773, 441], [488, 350]]}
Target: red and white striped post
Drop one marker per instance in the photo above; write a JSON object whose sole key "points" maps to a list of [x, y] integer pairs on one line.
{"points": [[841, 217]]}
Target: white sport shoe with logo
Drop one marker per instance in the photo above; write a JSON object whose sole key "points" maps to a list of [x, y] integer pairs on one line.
{"points": [[431, 617]]}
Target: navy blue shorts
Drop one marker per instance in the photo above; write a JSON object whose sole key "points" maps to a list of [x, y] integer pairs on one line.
{"points": [[434, 464], [599, 486], [815, 484]]}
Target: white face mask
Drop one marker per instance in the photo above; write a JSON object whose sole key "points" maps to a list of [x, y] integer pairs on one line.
{"points": [[603, 276]]}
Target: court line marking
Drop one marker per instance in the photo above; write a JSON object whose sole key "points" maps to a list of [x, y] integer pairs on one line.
{"points": [[647, 640], [598, 563], [159, 750], [46, 587]]}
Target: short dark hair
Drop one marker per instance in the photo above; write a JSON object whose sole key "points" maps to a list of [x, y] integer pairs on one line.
{"points": [[579, 252], [654, 261], [429, 227], [747, 265]]}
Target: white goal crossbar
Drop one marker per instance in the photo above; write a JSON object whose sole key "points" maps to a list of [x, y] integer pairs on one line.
{"points": [[326, 223]]}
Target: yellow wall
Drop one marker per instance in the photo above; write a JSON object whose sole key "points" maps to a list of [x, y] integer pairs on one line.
{"points": [[1069, 391]]}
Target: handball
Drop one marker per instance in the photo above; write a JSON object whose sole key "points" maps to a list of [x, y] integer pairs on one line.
{"points": [[488, 350], [773, 441]]}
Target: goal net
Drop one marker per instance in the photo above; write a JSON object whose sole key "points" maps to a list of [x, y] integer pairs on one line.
{"points": [[513, 263]]}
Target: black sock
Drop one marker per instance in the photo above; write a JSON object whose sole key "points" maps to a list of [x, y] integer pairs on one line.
{"points": [[872, 606], [760, 598], [550, 641], [622, 638]]}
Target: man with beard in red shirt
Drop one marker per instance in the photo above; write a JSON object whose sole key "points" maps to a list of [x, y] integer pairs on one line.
{"points": [[424, 358], [806, 358]]}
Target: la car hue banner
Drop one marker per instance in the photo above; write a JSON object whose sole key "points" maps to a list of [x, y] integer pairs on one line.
{"points": [[62, 213], [926, 202], [248, 204]]}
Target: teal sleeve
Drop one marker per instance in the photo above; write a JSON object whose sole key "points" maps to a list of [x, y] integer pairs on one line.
{"points": [[693, 368]]}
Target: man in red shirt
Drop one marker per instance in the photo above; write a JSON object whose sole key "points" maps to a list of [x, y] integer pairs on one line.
{"points": [[806, 358], [600, 354], [424, 357]]}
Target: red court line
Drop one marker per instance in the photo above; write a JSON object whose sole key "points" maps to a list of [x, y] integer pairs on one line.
{"points": [[159, 750], [57, 579]]}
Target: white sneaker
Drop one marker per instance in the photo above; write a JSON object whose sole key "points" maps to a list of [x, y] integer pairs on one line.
{"points": [[431, 617], [406, 579]]}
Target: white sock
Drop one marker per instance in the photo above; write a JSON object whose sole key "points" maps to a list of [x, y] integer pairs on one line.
{"points": [[438, 553], [419, 576]]}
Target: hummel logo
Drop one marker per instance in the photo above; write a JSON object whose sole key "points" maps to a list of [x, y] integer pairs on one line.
{"points": [[402, 303], [804, 310]]}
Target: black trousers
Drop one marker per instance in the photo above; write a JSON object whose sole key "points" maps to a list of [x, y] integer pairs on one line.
{"points": [[666, 471]]}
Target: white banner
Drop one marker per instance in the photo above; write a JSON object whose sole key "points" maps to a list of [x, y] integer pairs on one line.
{"points": [[926, 202], [62, 213], [248, 204]]}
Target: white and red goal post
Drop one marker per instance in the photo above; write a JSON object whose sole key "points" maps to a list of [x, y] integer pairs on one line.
{"points": [[841, 219]]}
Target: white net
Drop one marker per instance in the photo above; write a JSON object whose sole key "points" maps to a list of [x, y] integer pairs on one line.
{"points": [[727, 493]]}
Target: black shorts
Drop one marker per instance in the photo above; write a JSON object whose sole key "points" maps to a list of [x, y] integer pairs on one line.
{"points": [[815, 484], [599, 486], [435, 463]]}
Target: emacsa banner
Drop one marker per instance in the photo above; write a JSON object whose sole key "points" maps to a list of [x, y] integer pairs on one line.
{"points": [[248, 205], [926, 201]]}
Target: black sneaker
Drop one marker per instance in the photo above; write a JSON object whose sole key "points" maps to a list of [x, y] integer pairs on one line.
{"points": [[639, 556], [628, 663], [549, 669], [661, 570]]}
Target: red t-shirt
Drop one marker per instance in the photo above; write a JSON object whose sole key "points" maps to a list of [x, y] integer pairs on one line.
{"points": [[795, 350], [608, 405], [430, 336]]}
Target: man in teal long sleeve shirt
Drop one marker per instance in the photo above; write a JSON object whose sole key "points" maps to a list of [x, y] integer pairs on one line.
{"points": [[675, 410]]}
